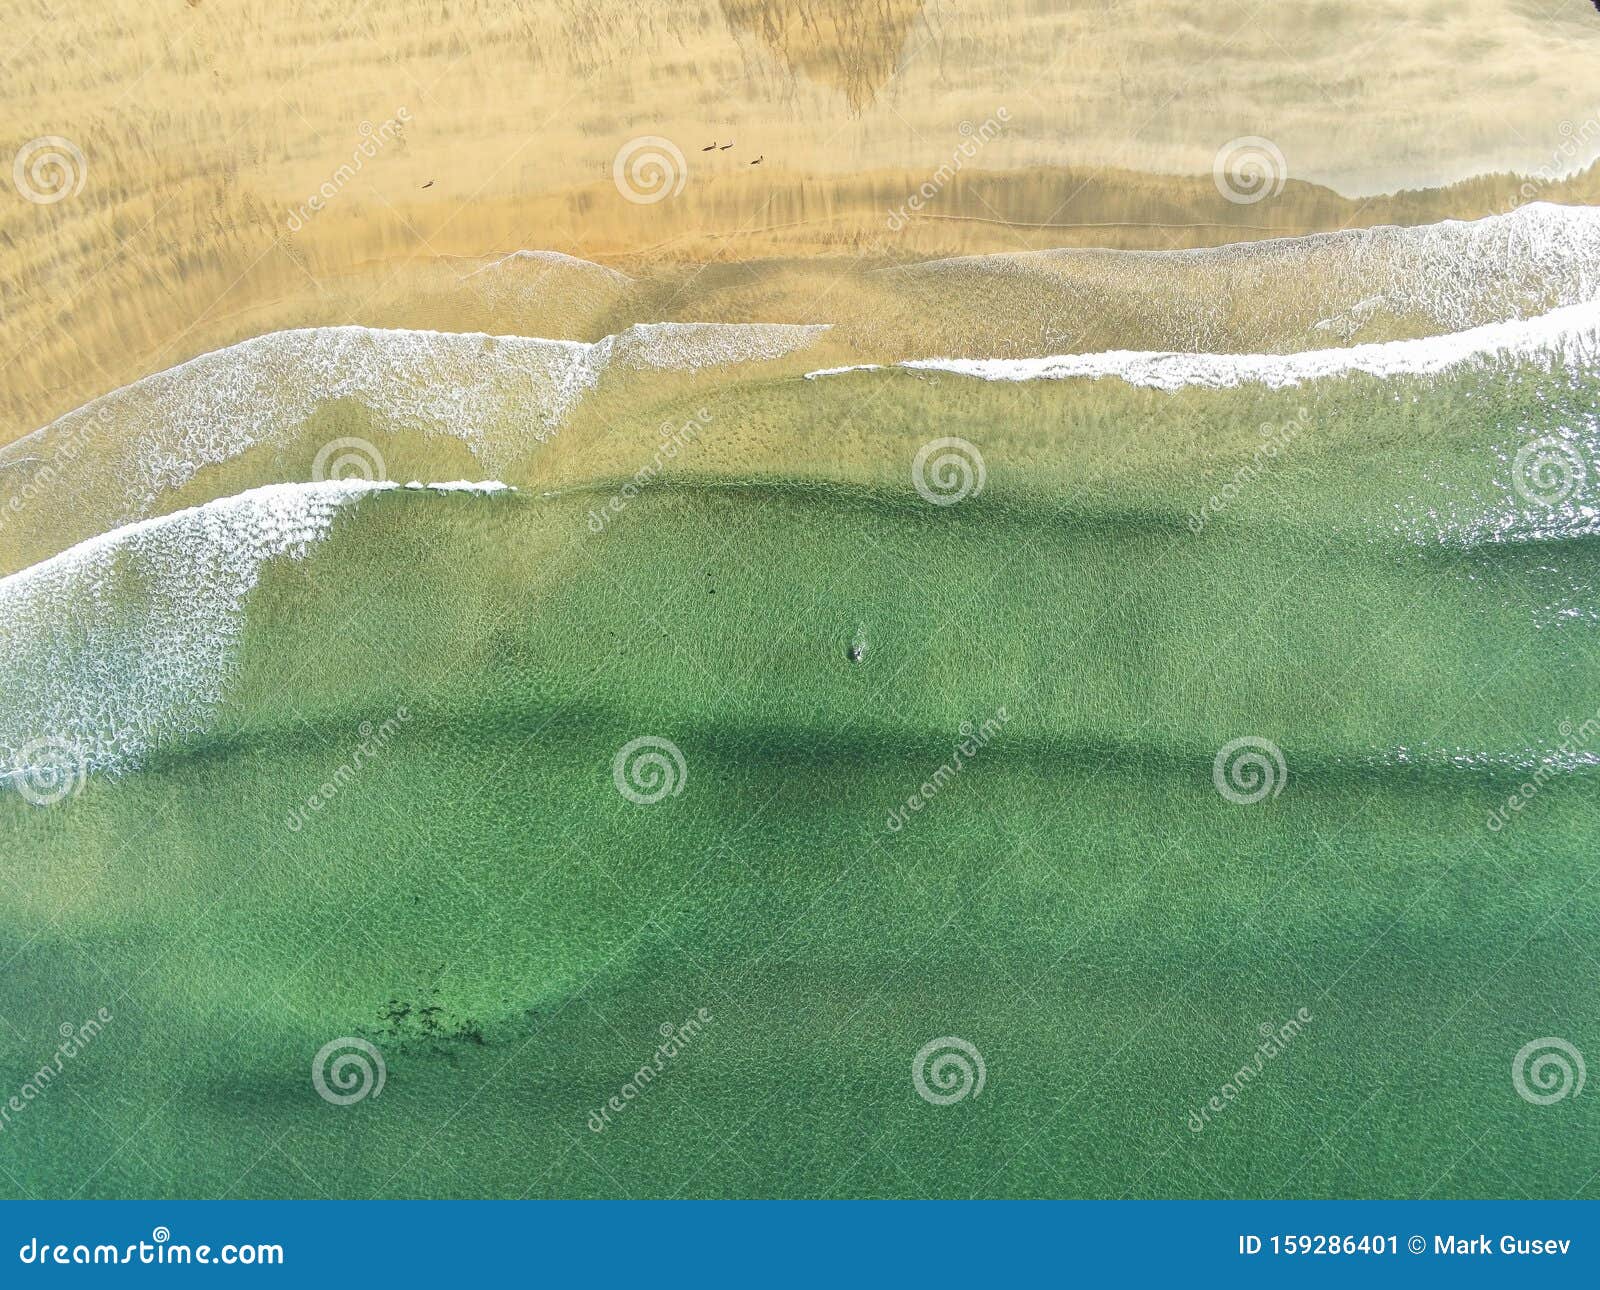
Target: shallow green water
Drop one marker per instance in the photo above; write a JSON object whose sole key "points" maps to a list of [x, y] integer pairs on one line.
{"points": [[1077, 901]]}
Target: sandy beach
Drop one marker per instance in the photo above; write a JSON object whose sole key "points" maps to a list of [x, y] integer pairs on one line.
{"points": [[799, 599], [177, 215]]}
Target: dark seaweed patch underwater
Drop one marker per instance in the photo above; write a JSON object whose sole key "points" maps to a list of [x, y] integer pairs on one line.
{"points": [[1093, 804]]}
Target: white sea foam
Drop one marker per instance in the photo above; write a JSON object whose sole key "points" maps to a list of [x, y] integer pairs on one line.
{"points": [[1572, 333], [500, 395], [130, 638], [552, 260], [1448, 276], [464, 486]]}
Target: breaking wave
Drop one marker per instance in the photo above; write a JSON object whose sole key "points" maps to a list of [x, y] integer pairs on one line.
{"points": [[129, 639]]}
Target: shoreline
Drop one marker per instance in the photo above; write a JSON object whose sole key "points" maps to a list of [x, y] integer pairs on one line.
{"points": [[109, 318]]}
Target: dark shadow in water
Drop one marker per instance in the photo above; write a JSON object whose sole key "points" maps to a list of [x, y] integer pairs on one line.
{"points": [[851, 45]]}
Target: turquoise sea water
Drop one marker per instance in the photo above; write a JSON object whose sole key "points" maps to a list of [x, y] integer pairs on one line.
{"points": [[401, 824]]}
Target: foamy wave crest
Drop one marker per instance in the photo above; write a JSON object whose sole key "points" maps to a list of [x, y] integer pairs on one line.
{"points": [[1274, 294], [1571, 333], [129, 639], [500, 395]]}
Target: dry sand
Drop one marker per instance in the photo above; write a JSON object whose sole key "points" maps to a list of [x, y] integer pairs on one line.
{"points": [[205, 129]]}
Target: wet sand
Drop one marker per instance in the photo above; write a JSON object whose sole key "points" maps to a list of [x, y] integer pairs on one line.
{"points": [[313, 759], [204, 139]]}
